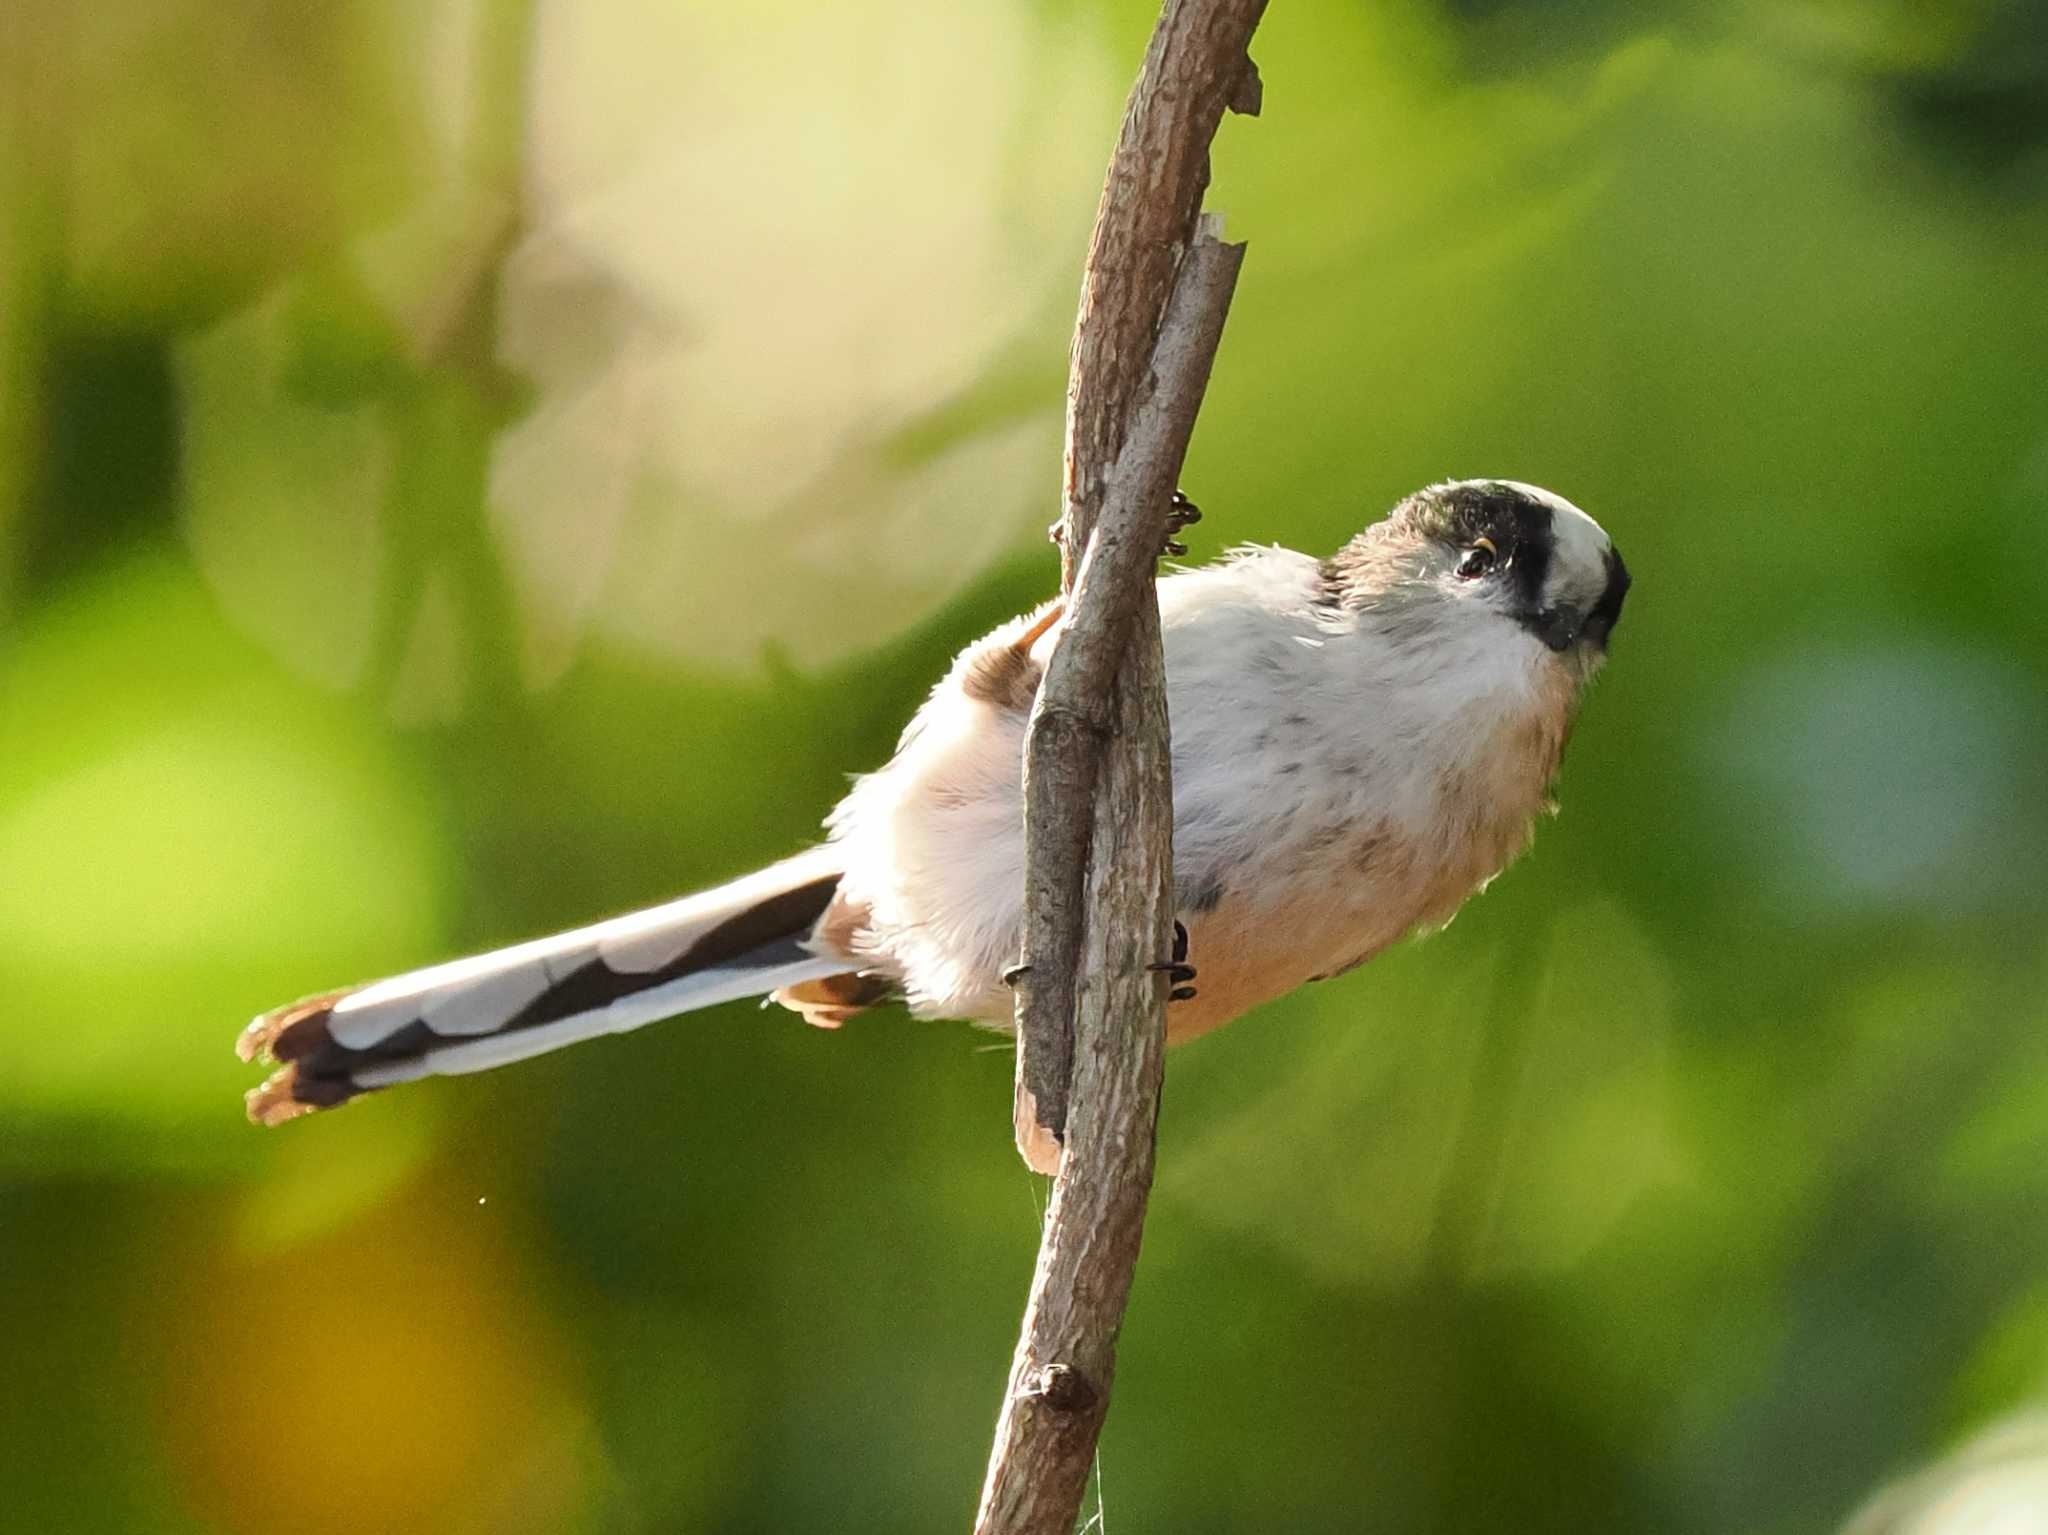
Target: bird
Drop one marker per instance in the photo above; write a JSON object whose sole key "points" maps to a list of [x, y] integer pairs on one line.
{"points": [[1359, 744]]}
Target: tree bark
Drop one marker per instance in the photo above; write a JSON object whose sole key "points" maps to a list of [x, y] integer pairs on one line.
{"points": [[1098, 779]]}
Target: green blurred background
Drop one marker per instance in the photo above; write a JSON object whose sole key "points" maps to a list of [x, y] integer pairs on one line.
{"points": [[469, 467]]}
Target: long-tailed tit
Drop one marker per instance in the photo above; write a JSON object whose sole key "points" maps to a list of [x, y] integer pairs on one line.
{"points": [[1359, 743]]}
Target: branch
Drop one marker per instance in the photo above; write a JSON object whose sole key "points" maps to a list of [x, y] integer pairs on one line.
{"points": [[1195, 67], [1098, 769], [1074, 723]]}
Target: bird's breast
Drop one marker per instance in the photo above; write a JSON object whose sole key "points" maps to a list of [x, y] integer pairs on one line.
{"points": [[1300, 872]]}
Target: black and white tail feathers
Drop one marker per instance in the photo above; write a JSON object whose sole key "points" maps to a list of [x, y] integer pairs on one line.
{"points": [[743, 939]]}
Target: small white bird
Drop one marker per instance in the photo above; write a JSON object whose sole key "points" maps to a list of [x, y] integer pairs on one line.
{"points": [[1359, 743]]}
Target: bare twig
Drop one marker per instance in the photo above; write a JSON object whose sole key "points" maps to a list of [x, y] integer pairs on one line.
{"points": [[1074, 721], [1098, 783], [1195, 67]]}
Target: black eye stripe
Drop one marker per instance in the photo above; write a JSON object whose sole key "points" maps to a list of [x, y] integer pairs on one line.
{"points": [[1533, 567], [1521, 526]]}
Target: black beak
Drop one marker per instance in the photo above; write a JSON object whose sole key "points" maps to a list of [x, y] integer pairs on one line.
{"points": [[1559, 627]]}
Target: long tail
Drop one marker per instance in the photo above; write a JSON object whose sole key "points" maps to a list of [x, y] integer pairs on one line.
{"points": [[740, 940]]}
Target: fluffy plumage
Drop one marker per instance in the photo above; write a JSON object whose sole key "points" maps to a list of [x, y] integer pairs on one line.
{"points": [[1359, 743]]}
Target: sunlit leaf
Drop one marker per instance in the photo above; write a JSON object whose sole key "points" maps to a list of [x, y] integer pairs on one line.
{"points": [[725, 363]]}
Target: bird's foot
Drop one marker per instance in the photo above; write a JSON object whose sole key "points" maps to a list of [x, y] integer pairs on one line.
{"points": [[1181, 514], [1177, 970]]}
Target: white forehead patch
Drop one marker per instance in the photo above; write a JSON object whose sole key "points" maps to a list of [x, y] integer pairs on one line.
{"points": [[1579, 545]]}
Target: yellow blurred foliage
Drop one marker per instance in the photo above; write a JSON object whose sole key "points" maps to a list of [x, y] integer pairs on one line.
{"points": [[396, 1373]]}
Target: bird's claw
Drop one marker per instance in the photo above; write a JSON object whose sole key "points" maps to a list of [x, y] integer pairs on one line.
{"points": [[1177, 970], [1015, 974], [1181, 513]]}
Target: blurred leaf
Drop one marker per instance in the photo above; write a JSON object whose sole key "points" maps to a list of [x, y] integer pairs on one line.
{"points": [[211, 147], [2010, 1364], [24, 238], [186, 838], [731, 426], [1902, 774], [286, 496]]}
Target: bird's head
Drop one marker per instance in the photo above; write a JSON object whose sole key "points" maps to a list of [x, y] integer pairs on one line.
{"points": [[1498, 549]]}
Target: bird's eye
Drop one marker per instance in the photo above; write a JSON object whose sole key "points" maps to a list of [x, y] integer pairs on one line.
{"points": [[1480, 557]]}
